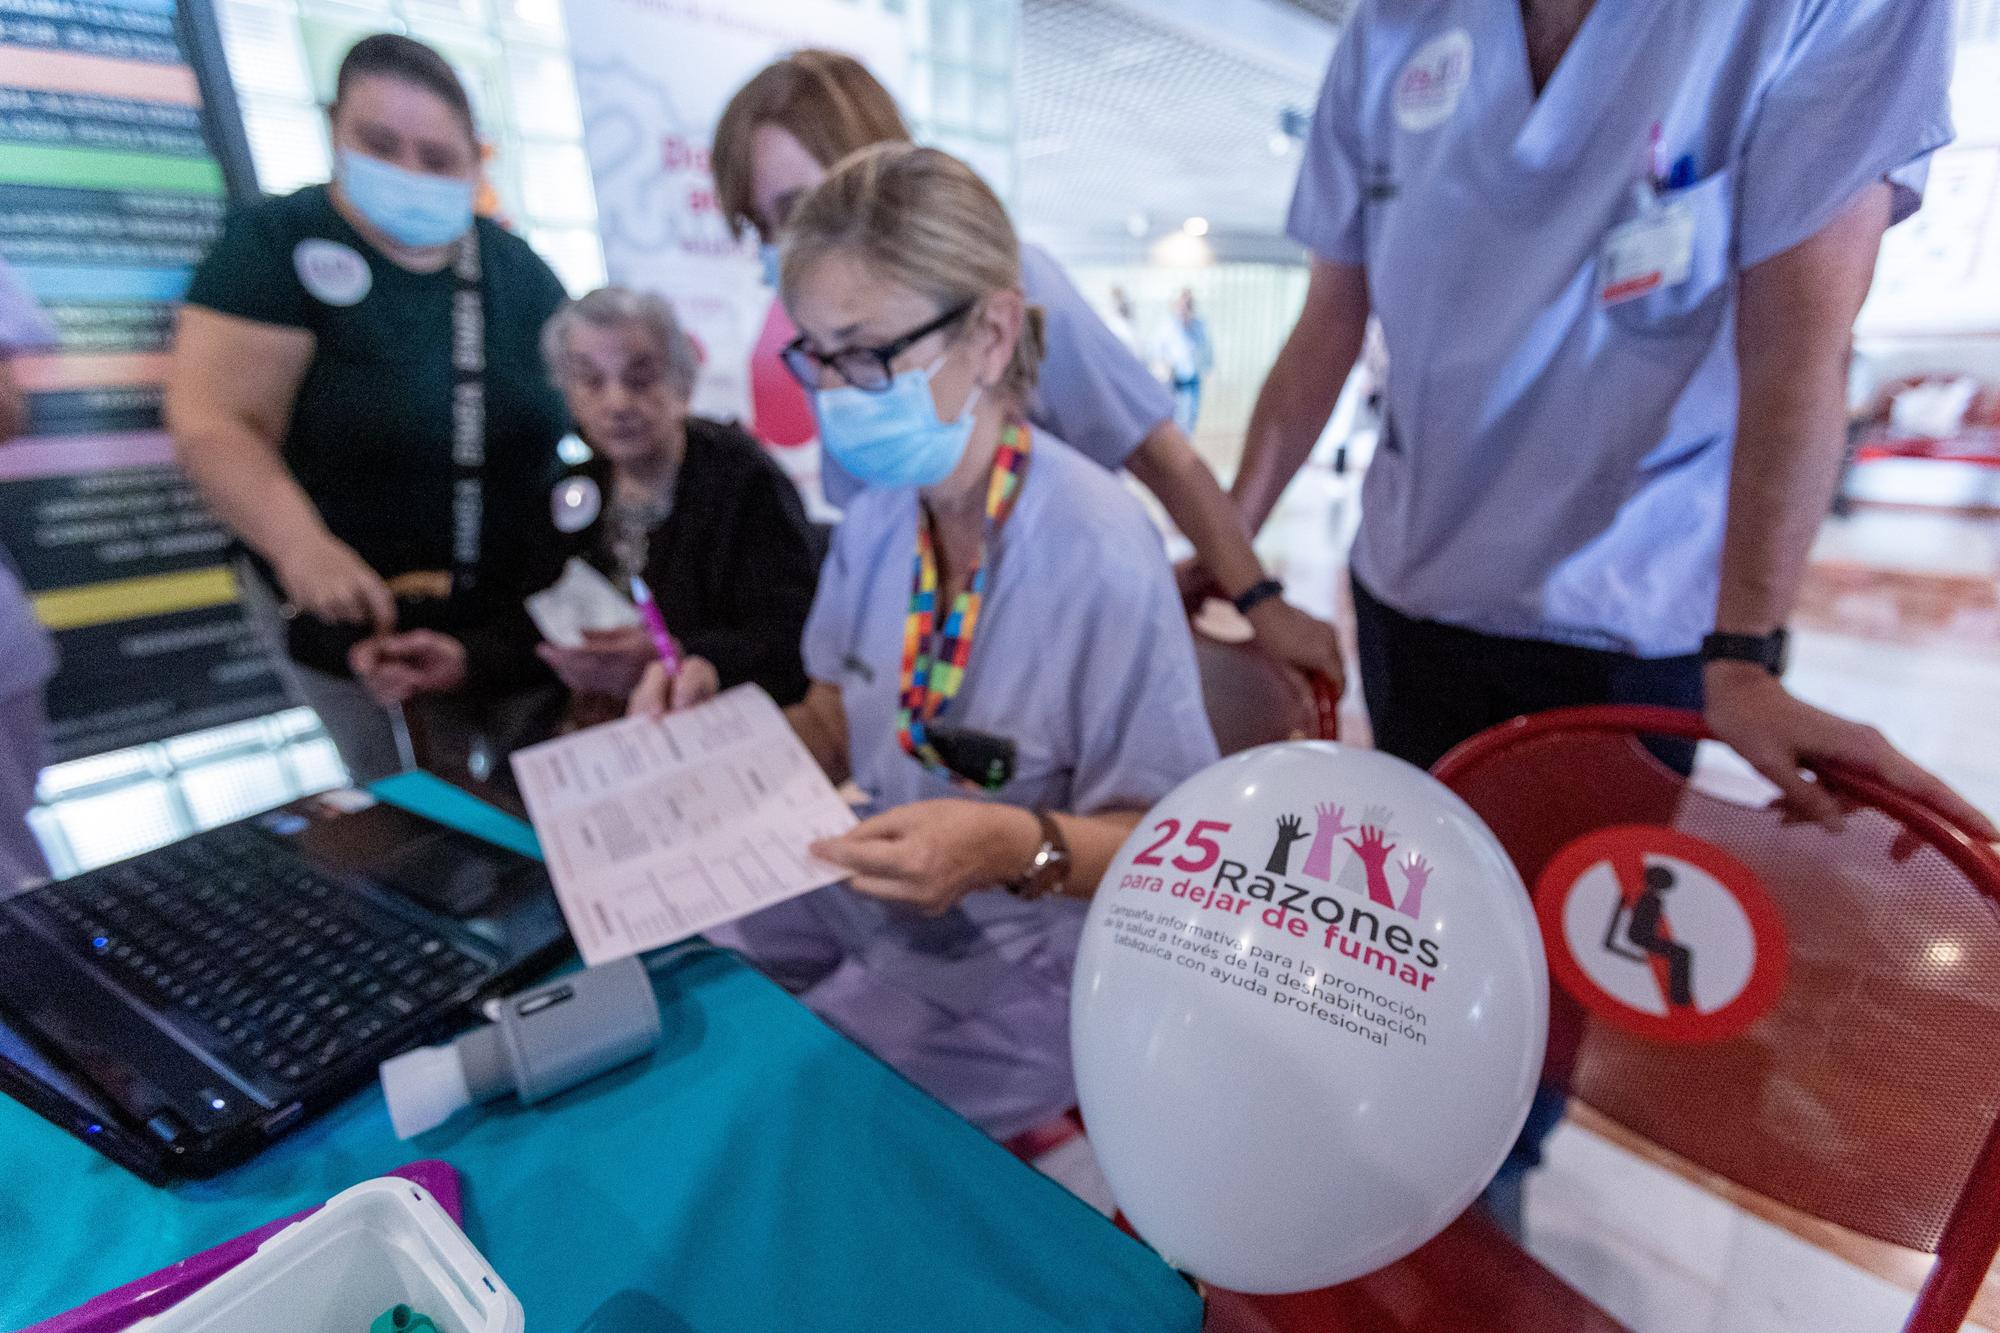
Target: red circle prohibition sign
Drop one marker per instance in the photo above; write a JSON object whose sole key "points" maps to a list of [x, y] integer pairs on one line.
{"points": [[1645, 918]]}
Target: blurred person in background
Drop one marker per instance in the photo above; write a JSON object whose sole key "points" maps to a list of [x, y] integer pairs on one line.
{"points": [[1124, 319], [998, 656], [1186, 356], [693, 507], [396, 499], [27, 655], [778, 138]]}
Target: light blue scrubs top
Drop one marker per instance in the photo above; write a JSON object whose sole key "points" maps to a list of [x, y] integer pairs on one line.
{"points": [[1082, 655], [1083, 660], [1093, 393], [27, 657], [1556, 468]]}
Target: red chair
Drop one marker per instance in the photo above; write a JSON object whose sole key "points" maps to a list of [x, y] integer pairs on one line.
{"points": [[1253, 699], [1868, 1093]]}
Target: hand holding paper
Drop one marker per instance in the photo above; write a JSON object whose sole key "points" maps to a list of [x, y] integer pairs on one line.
{"points": [[581, 600], [655, 830]]}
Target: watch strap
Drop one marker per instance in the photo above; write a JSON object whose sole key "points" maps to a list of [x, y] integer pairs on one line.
{"points": [[1050, 866], [1765, 650], [1257, 594]]}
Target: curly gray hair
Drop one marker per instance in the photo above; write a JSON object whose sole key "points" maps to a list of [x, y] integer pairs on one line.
{"points": [[610, 307]]}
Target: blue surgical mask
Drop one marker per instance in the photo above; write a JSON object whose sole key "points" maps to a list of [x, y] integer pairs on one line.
{"points": [[893, 438], [767, 255], [411, 208]]}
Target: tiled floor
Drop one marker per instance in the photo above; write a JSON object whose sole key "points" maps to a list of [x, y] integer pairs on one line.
{"points": [[1899, 625], [1663, 1255]]}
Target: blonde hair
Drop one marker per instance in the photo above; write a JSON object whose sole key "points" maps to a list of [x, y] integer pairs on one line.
{"points": [[827, 101], [924, 219]]}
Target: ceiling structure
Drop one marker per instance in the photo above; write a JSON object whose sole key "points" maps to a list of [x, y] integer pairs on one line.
{"points": [[1133, 116]]}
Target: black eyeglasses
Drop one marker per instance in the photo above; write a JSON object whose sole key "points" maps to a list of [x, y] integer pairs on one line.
{"points": [[866, 368]]}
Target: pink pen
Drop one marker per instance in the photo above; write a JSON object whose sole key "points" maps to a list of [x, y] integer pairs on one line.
{"points": [[656, 625]]}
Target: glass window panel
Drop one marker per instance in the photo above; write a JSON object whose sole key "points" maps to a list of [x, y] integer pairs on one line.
{"points": [[315, 766], [199, 746], [545, 15], [472, 13], [261, 42], [952, 31], [574, 253], [228, 789], [951, 97], [993, 107], [543, 92], [555, 183], [476, 61], [288, 142], [117, 824], [327, 36], [113, 767], [993, 40], [297, 723]]}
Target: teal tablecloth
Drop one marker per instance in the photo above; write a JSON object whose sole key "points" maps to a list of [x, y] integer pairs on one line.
{"points": [[759, 1172]]}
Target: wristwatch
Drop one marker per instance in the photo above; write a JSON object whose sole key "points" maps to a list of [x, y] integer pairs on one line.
{"points": [[1257, 594], [1764, 650], [1050, 867]]}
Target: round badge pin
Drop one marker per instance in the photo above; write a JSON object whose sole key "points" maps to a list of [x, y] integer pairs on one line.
{"points": [[1433, 80], [334, 273], [575, 504]]}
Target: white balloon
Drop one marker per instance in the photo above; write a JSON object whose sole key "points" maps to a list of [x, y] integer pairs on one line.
{"points": [[1294, 1072]]}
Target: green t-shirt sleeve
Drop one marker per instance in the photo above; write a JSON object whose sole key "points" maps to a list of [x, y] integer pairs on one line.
{"points": [[249, 272]]}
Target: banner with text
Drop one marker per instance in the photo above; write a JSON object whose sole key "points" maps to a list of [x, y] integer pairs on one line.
{"points": [[109, 194], [653, 77]]}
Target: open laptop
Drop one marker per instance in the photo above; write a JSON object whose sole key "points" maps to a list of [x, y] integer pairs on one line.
{"points": [[181, 1009]]}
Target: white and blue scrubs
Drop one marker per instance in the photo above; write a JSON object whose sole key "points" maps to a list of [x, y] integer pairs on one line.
{"points": [[1556, 463], [1543, 521], [1093, 393], [1082, 659]]}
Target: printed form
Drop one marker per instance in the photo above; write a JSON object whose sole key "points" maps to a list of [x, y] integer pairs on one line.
{"points": [[654, 831]]}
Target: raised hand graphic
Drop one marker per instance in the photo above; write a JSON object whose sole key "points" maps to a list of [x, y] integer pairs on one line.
{"points": [[1416, 874], [1332, 823], [1374, 854], [1291, 829]]}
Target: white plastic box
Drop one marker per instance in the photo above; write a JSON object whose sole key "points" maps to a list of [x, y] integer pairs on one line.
{"points": [[380, 1244]]}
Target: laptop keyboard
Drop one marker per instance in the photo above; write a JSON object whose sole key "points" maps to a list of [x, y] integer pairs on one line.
{"points": [[256, 958]]}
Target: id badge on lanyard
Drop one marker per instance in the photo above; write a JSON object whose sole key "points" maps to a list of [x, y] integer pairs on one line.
{"points": [[1652, 252]]}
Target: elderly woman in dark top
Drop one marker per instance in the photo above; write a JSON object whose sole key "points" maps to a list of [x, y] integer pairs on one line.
{"points": [[693, 507]]}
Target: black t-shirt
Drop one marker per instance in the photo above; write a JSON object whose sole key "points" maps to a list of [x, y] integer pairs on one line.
{"points": [[733, 566], [370, 433]]}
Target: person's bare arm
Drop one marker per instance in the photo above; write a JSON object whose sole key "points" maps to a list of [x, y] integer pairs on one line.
{"points": [[931, 854], [13, 403], [1167, 465], [821, 723], [231, 385], [1795, 319], [1304, 384]]}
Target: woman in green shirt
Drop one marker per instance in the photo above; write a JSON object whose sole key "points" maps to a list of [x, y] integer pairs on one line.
{"points": [[396, 499]]}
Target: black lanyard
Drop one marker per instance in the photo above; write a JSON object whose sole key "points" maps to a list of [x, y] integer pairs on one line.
{"points": [[468, 415]]}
